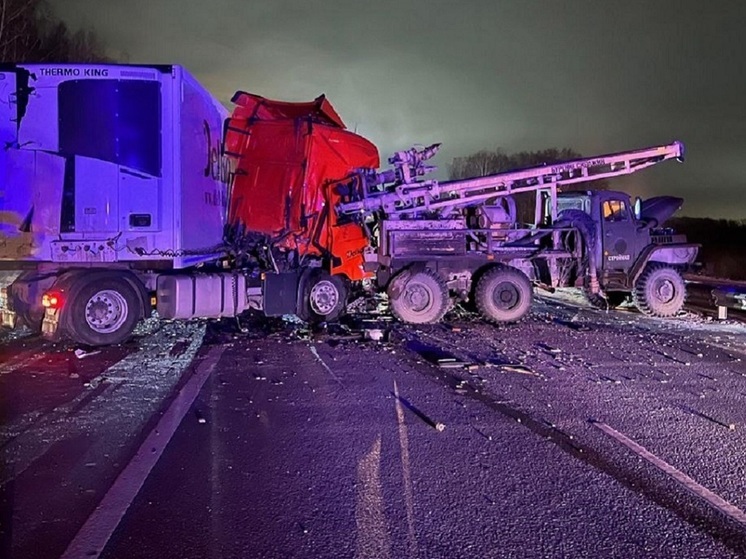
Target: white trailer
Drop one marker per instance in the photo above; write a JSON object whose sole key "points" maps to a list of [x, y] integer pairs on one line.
{"points": [[112, 181]]}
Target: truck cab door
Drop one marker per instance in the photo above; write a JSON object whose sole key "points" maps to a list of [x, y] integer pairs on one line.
{"points": [[618, 234]]}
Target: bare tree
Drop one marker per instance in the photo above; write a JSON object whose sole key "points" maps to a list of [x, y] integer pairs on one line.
{"points": [[30, 32]]}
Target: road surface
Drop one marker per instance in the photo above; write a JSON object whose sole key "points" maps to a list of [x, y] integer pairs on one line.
{"points": [[576, 433]]}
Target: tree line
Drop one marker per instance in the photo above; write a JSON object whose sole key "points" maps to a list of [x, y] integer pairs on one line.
{"points": [[30, 32]]}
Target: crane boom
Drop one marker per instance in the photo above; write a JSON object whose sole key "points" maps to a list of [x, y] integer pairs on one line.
{"points": [[406, 195]]}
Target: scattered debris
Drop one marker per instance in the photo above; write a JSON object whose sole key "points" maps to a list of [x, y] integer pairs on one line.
{"points": [[374, 334], [550, 349], [729, 426], [522, 369], [573, 325], [672, 358], [450, 363], [485, 435], [438, 426], [81, 353]]}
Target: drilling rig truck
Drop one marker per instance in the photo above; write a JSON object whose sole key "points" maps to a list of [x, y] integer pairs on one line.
{"points": [[130, 188]]}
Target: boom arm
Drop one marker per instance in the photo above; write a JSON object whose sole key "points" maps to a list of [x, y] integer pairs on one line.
{"points": [[408, 195]]}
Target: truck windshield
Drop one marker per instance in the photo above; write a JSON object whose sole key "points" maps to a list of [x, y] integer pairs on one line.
{"points": [[112, 120]]}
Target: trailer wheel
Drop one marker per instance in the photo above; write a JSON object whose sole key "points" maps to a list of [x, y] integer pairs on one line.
{"points": [[660, 291], [504, 294], [612, 300], [324, 298], [422, 300], [103, 311]]}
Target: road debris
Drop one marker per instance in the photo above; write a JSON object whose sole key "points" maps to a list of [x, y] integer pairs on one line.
{"points": [[572, 324], [521, 369], [81, 353], [550, 349], [485, 435], [438, 426], [450, 363], [729, 426], [373, 334]]}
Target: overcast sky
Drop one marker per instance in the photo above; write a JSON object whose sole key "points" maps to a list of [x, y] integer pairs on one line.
{"points": [[598, 76]]}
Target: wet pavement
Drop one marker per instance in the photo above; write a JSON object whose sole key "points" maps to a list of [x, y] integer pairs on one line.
{"points": [[452, 440]]}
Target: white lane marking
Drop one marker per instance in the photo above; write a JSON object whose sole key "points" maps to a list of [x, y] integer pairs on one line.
{"points": [[316, 354], [688, 483], [406, 474], [141, 381], [216, 489], [373, 539], [95, 533]]}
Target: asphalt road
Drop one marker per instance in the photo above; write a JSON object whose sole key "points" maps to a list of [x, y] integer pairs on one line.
{"points": [[452, 440]]}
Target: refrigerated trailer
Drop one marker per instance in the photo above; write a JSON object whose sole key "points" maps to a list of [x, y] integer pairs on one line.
{"points": [[112, 179]]}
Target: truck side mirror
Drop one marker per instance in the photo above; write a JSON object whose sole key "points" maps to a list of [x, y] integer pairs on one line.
{"points": [[638, 207]]}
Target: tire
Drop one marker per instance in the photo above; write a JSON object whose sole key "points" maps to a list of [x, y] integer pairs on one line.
{"points": [[660, 291], [324, 298], [103, 311], [423, 299], [612, 300], [504, 294]]}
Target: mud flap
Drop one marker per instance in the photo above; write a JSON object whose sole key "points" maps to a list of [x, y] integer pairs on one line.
{"points": [[50, 325], [7, 316]]}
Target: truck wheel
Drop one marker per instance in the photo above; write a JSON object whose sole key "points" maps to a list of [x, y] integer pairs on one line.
{"points": [[504, 294], [612, 300], [660, 291], [424, 299], [324, 298], [103, 311]]}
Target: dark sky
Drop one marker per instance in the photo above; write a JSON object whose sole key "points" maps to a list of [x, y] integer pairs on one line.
{"points": [[594, 75]]}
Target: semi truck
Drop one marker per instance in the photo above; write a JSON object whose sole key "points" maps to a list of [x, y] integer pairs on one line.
{"points": [[130, 188]]}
